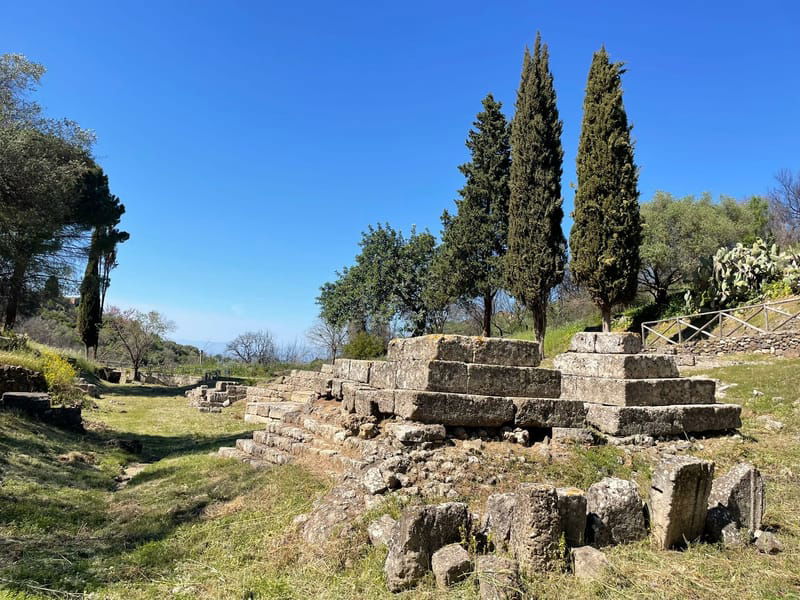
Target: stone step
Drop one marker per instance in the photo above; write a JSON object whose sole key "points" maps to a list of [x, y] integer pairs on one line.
{"points": [[616, 366], [263, 452], [664, 420], [312, 446], [231, 452], [638, 392], [549, 412], [266, 412], [466, 349], [467, 410]]}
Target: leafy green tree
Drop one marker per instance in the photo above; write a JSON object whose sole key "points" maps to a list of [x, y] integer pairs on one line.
{"points": [[364, 346], [536, 244], [90, 319], [606, 233], [474, 240], [678, 234]]}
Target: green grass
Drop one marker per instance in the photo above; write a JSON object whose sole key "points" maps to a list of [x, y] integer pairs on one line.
{"points": [[194, 526], [556, 339]]}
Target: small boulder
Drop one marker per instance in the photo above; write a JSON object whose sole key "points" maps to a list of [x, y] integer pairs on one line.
{"points": [[588, 562], [450, 564], [380, 530], [615, 513], [768, 543], [733, 537], [374, 482], [498, 519], [498, 578], [737, 496], [418, 432]]}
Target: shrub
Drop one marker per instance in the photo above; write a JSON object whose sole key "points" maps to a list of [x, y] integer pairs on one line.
{"points": [[60, 377], [364, 346]]}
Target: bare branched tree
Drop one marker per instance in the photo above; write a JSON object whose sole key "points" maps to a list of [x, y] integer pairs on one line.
{"points": [[784, 202], [293, 352], [136, 332], [254, 347], [327, 337]]}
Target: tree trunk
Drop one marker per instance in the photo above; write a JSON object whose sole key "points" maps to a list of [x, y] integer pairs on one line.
{"points": [[15, 286], [606, 312], [488, 310], [540, 325], [661, 296]]}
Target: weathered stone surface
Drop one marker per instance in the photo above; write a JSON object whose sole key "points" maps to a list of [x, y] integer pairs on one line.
{"points": [[733, 537], [370, 402], [454, 409], [768, 543], [382, 374], [606, 343], [549, 412], [614, 512], [523, 382], [450, 564], [341, 368], [740, 492], [638, 392], [616, 366], [498, 519], [588, 562], [572, 511], [498, 578], [373, 481], [575, 435], [678, 499], [432, 375], [418, 432], [14, 378], [536, 527], [420, 532], [664, 420], [359, 370], [380, 530], [502, 351]]}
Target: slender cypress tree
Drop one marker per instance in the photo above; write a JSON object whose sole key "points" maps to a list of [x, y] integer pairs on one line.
{"points": [[474, 239], [606, 233], [536, 244], [89, 309]]}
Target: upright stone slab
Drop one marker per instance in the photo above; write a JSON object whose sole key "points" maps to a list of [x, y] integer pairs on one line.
{"points": [[450, 564], [536, 528], [499, 518], [498, 578], [678, 499], [420, 532], [740, 492], [572, 509], [615, 513]]}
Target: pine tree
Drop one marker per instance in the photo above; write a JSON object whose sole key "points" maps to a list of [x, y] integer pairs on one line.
{"points": [[536, 243], [474, 239], [606, 233], [89, 310]]}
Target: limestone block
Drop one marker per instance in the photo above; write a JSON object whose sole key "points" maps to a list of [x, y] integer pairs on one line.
{"points": [[572, 510], [549, 412], [523, 382], [450, 565], [432, 375], [341, 368], [638, 392], [614, 512], [455, 348], [336, 388], [498, 519], [380, 530], [616, 366], [768, 543], [359, 370], [588, 562], [326, 368], [498, 578], [502, 351], [678, 500], [453, 409], [741, 493], [370, 402], [418, 432], [536, 527], [420, 532], [383, 374], [373, 481], [606, 343], [576, 435], [664, 420]]}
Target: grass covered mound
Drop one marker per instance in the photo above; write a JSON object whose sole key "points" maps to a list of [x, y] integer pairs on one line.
{"points": [[189, 525]]}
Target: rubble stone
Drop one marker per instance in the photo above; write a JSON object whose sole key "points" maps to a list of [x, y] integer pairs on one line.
{"points": [[499, 518], [740, 492], [536, 527], [577, 435], [679, 499], [572, 511], [498, 578], [418, 432], [768, 543], [450, 564], [380, 530], [588, 562], [614, 512]]}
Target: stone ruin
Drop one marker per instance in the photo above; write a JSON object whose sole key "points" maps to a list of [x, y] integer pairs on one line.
{"points": [[413, 425], [222, 395]]}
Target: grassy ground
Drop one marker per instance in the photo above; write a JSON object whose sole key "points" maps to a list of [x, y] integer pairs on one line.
{"points": [[192, 526]]}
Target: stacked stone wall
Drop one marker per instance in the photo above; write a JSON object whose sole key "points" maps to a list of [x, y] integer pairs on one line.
{"points": [[782, 343]]}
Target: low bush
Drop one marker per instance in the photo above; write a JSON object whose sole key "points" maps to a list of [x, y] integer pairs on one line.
{"points": [[365, 346]]}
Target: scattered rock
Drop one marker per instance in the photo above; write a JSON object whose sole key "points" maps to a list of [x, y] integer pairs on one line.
{"points": [[450, 564], [769, 423], [418, 432], [588, 562], [768, 543], [374, 482], [737, 496], [733, 537], [367, 431], [574, 435], [614, 512], [380, 530], [499, 518], [498, 578]]}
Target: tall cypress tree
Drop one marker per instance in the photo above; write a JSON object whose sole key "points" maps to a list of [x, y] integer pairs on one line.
{"points": [[606, 234], [89, 309], [536, 244], [474, 239]]}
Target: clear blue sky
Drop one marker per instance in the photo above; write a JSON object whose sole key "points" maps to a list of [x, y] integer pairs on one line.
{"points": [[252, 142]]}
